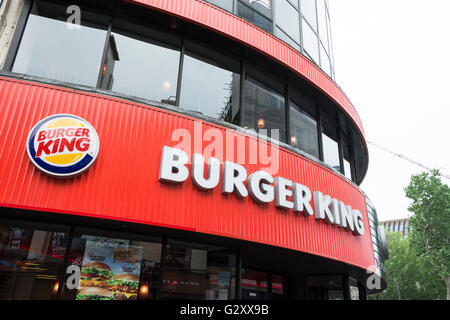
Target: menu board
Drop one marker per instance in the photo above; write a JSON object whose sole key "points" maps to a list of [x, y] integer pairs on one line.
{"points": [[110, 270]]}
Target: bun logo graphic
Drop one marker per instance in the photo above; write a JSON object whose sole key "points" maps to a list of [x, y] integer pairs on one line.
{"points": [[63, 145]]}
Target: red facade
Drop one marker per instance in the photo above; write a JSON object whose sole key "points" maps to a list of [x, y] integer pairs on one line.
{"points": [[123, 183]]}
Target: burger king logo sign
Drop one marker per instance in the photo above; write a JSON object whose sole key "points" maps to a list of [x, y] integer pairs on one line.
{"points": [[63, 145]]}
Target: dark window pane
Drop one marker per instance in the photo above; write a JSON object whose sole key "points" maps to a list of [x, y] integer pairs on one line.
{"points": [[60, 51], [254, 17], [264, 109], [303, 131], [141, 69], [196, 271], [287, 18], [30, 263], [262, 6], [277, 284], [208, 89], [254, 280]]}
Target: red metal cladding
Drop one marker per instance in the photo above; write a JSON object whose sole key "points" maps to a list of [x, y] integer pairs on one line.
{"points": [[123, 183], [229, 25]]}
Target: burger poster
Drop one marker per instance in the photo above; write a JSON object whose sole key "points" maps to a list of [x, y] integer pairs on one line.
{"points": [[110, 270]]}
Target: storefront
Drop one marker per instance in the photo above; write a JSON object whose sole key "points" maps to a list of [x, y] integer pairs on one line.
{"points": [[133, 179]]}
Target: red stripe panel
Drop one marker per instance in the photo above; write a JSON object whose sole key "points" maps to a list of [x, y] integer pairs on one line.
{"points": [[123, 183]]}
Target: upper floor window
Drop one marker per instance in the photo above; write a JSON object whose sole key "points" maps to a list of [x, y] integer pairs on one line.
{"points": [[55, 49], [141, 69], [264, 109], [303, 130]]}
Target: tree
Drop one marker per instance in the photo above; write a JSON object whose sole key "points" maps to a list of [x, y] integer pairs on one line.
{"points": [[405, 279], [430, 225]]}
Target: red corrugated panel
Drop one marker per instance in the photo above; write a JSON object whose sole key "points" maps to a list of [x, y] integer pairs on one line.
{"points": [[123, 182]]}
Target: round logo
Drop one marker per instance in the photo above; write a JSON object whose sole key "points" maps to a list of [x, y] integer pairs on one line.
{"points": [[63, 145]]}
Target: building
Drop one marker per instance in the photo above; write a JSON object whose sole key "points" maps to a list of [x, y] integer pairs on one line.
{"points": [[109, 110], [397, 225]]}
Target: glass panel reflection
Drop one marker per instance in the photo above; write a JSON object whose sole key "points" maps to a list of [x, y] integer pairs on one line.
{"points": [[331, 152], [303, 131], [264, 109], [287, 18], [254, 17], [199, 272], [310, 41], [208, 89], [59, 51], [30, 263], [141, 69]]}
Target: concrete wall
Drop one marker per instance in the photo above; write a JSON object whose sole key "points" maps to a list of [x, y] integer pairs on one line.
{"points": [[9, 15]]}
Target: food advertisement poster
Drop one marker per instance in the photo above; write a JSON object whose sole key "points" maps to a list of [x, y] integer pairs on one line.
{"points": [[110, 270]]}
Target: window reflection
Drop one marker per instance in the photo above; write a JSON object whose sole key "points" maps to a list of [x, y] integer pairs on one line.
{"points": [[199, 272], [287, 17], [331, 152], [141, 69], [303, 131], [308, 8], [55, 50], [310, 43], [30, 263], [208, 89], [264, 109], [254, 17]]}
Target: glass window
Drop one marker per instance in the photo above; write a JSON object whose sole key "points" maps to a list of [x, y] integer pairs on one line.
{"points": [[324, 61], [208, 89], [310, 44], [141, 69], [324, 288], [277, 284], [347, 160], [303, 131], [199, 272], [224, 4], [254, 17], [322, 15], [294, 3], [31, 261], [308, 8], [53, 49], [113, 268], [330, 152], [264, 109], [287, 18], [254, 280], [262, 6], [283, 36]]}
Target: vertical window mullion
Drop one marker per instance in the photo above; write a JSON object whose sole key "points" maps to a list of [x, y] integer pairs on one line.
{"points": [[18, 34], [287, 114], [319, 132], [180, 73], [104, 55], [241, 93]]}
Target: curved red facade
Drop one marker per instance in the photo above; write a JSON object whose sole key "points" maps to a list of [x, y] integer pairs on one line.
{"points": [[123, 183]]}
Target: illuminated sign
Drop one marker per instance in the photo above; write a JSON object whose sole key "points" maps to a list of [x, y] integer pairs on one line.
{"points": [[63, 145], [260, 185]]}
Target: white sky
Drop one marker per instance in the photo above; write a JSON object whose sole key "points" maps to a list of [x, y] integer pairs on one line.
{"points": [[392, 59]]}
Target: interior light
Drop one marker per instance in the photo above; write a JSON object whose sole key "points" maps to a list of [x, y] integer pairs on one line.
{"points": [[104, 69], [294, 140], [166, 85], [260, 124]]}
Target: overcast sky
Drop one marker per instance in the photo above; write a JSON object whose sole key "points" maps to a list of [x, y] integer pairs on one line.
{"points": [[392, 59]]}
